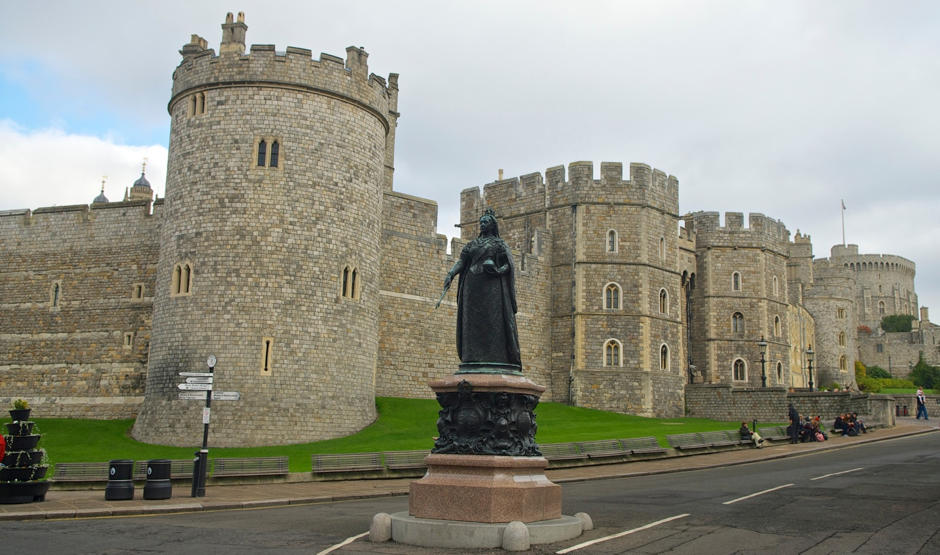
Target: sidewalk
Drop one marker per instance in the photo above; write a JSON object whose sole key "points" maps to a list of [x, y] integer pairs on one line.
{"points": [[91, 503]]}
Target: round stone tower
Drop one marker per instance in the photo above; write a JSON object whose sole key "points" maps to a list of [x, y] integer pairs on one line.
{"points": [[831, 301], [270, 248]]}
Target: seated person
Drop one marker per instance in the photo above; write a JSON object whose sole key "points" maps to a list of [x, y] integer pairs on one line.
{"points": [[748, 435], [806, 430], [839, 425], [859, 423], [851, 426]]}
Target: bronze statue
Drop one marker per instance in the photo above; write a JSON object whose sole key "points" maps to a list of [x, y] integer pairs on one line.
{"points": [[487, 340]]}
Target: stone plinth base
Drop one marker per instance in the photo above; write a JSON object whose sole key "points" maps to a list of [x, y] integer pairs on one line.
{"points": [[451, 534], [485, 488]]}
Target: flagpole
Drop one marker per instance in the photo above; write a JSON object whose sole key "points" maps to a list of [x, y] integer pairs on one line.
{"points": [[843, 222]]}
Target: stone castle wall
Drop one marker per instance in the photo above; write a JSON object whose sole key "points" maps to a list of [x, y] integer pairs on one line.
{"points": [[723, 402], [416, 341], [87, 355]]}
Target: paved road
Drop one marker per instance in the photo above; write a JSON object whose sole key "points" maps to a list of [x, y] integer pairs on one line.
{"points": [[880, 497]]}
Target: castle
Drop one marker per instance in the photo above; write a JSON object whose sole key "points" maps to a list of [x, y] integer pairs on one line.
{"points": [[282, 248]]}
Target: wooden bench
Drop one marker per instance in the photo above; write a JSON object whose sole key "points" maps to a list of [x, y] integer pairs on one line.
{"points": [[774, 433], [734, 436], [642, 446], [602, 448], [720, 438], [326, 463], [405, 460], [686, 442], [81, 472], [179, 469], [249, 466], [561, 451]]}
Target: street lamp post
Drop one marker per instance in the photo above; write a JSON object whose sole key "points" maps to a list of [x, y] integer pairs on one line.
{"points": [[763, 368], [809, 357]]}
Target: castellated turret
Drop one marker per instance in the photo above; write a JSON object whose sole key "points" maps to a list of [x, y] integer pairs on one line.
{"points": [[618, 307], [741, 295], [270, 250]]}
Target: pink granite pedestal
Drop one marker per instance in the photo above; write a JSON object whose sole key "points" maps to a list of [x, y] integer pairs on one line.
{"points": [[485, 488]]}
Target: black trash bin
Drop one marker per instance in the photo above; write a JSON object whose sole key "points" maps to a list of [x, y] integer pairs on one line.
{"points": [[120, 480], [158, 484]]}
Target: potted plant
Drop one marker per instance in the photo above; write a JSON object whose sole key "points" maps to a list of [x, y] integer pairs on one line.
{"points": [[20, 410]]}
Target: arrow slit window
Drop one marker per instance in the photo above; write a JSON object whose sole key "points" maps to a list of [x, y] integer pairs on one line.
{"points": [[267, 348]]}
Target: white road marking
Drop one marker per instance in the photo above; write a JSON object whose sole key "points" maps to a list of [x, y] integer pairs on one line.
{"points": [[621, 534], [347, 541], [756, 494], [836, 473]]}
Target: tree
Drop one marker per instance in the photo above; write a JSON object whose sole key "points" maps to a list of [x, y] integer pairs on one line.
{"points": [[925, 375], [897, 322], [878, 372]]}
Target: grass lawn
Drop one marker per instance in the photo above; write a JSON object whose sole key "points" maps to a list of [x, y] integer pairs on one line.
{"points": [[907, 391], [403, 424]]}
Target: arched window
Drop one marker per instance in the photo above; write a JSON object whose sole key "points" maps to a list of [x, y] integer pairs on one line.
{"points": [[776, 326], [611, 241], [842, 339], [187, 280], [350, 282], [192, 108], [177, 279], [55, 294], [881, 307], [779, 372], [775, 287], [662, 249], [612, 296], [275, 149], [739, 369], [842, 363], [664, 358], [736, 281], [663, 301], [737, 323], [262, 153], [612, 353], [182, 280]]}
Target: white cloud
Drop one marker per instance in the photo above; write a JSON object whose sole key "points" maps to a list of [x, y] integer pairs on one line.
{"points": [[49, 167]]}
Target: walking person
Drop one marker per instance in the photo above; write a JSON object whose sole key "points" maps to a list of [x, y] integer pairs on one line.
{"points": [[921, 404], [794, 424]]}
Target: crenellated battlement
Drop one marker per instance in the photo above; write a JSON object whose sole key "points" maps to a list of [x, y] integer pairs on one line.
{"points": [[202, 69], [532, 192], [761, 231], [847, 256], [80, 213]]}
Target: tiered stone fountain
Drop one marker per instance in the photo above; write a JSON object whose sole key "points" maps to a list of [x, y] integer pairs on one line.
{"points": [[22, 476]]}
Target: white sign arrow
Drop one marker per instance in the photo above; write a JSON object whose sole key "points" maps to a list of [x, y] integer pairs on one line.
{"points": [[199, 380], [216, 396], [196, 374], [195, 386]]}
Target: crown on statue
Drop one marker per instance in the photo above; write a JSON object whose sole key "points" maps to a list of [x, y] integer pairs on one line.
{"points": [[488, 212]]}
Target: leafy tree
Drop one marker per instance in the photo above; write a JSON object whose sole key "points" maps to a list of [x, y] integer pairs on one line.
{"points": [[877, 372], [897, 322], [925, 375]]}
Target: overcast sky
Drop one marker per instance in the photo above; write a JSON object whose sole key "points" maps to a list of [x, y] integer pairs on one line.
{"points": [[782, 108]]}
